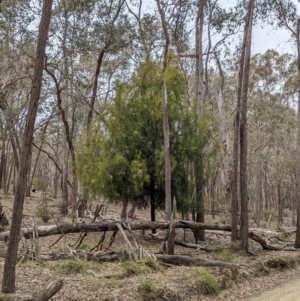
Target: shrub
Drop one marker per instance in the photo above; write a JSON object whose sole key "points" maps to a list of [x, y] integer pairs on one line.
{"points": [[223, 254], [149, 292], [44, 213], [203, 282], [223, 218], [69, 266], [72, 266], [145, 265]]}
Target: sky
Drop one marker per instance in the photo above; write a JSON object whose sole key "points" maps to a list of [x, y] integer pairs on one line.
{"points": [[262, 38], [266, 37]]}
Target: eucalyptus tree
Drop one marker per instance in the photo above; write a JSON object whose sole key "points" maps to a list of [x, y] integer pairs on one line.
{"points": [[15, 42], [272, 122], [104, 33], [285, 13], [240, 134], [8, 284]]}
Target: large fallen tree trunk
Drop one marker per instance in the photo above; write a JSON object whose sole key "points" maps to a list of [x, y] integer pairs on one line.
{"points": [[65, 228], [42, 295], [111, 226]]}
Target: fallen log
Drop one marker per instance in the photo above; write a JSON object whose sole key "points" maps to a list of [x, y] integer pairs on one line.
{"points": [[111, 226], [66, 228], [43, 295], [181, 243], [263, 242], [193, 261]]}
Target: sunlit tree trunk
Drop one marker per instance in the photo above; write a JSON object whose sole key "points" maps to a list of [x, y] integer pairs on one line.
{"points": [[243, 129]]}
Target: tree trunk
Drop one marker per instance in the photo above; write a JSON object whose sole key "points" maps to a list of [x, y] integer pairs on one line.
{"points": [[3, 167], [297, 240], [280, 205], [258, 196], [64, 180], [266, 192], [166, 131], [152, 201], [243, 130], [200, 92], [124, 210], [8, 284]]}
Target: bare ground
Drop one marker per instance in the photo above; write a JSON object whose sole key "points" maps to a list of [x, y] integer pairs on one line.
{"points": [[105, 284]]}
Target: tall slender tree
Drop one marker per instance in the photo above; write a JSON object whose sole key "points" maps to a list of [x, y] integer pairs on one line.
{"points": [[8, 284], [240, 135]]}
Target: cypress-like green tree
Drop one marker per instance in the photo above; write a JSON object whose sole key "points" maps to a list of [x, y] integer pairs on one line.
{"points": [[124, 161]]}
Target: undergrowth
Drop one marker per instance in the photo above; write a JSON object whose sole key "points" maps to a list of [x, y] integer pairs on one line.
{"points": [[73, 266], [203, 282], [223, 254], [44, 213], [150, 292], [145, 265]]}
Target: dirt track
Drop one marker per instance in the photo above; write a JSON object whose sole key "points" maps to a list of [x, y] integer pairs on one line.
{"points": [[286, 292]]}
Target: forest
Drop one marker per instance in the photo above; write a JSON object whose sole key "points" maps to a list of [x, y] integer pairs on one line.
{"points": [[153, 121]]}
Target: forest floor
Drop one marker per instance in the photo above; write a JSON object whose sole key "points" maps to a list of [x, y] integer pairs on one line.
{"points": [[114, 281]]}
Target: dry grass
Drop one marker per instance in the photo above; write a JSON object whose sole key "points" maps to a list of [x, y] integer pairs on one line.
{"points": [[140, 280]]}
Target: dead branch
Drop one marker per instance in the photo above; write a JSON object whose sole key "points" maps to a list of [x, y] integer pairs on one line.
{"points": [[263, 242], [43, 295]]}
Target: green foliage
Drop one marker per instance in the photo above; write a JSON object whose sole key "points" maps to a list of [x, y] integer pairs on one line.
{"points": [[83, 246], [150, 292], [223, 254], [223, 218], [44, 213], [203, 282], [72, 266], [125, 159], [145, 265]]}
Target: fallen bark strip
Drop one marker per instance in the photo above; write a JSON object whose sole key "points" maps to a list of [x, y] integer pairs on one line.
{"points": [[190, 261], [43, 295]]}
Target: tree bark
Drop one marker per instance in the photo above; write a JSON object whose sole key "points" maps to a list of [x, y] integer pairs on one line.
{"points": [[49, 230], [243, 129], [297, 239], [200, 92], [258, 196], [8, 284], [111, 226], [166, 131]]}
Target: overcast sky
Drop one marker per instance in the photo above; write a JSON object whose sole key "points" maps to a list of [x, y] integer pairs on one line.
{"points": [[263, 38]]}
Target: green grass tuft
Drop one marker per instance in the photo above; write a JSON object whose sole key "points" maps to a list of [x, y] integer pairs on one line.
{"points": [[72, 266], [223, 254], [149, 292], [203, 282], [145, 265]]}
